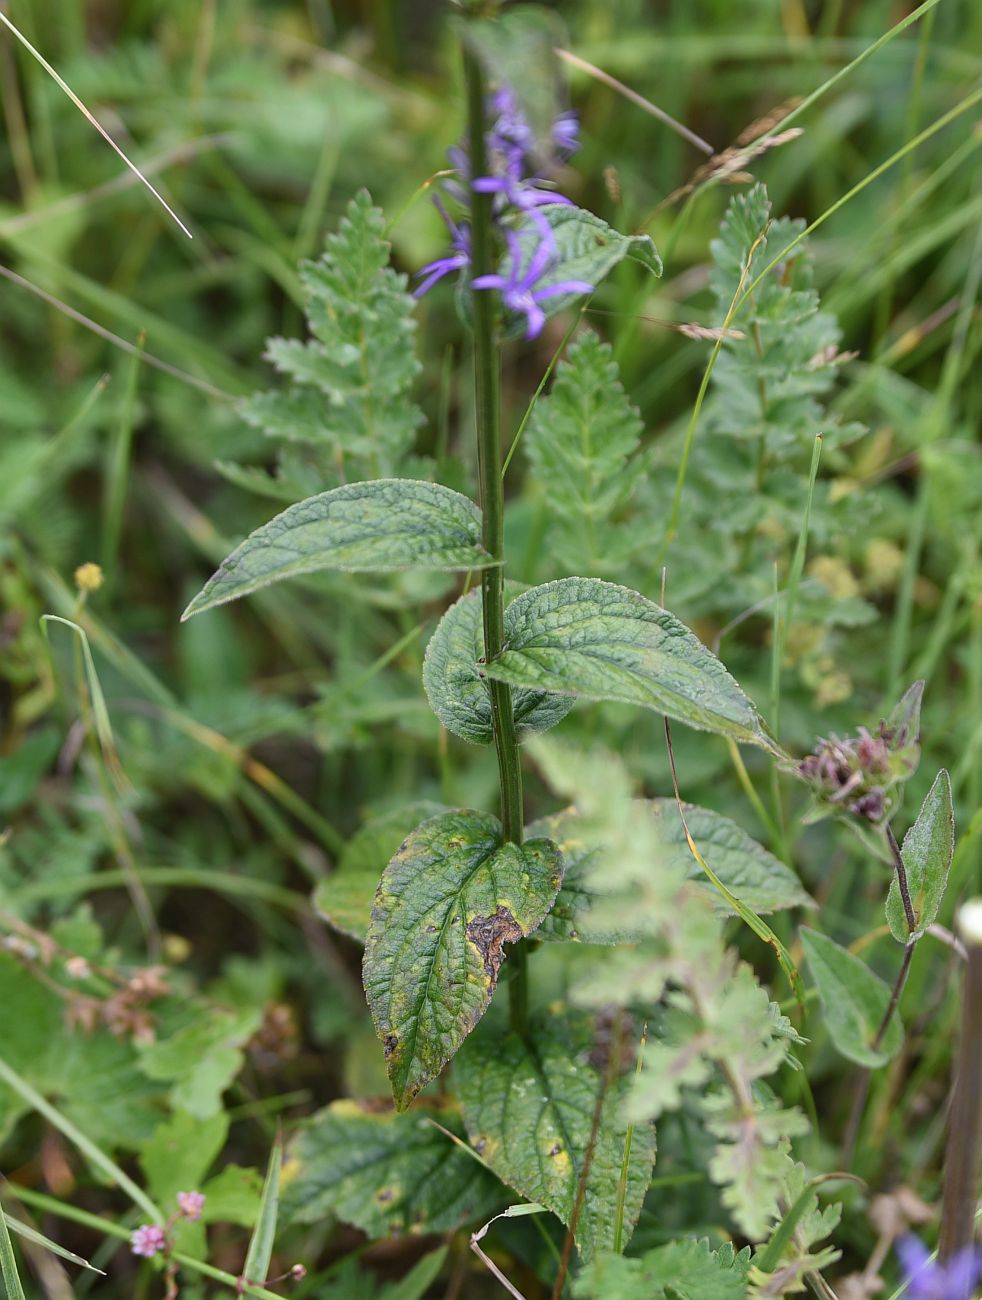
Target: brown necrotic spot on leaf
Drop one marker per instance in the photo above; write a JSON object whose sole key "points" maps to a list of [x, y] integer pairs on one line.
{"points": [[489, 933], [390, 1043]]}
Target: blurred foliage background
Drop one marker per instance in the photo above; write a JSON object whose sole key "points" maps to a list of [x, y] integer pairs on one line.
{"points": [[248, 746]]}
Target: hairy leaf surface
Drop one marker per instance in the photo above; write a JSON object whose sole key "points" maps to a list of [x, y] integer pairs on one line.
{"points": [[344, 899], [583, 636], [746, 868], [345, 410], [581, 442], [854, 1001], [529, 1107], [926, 851], [385, 1173], [456, 690], [377, 526], [680, 1270], [448, 902]]}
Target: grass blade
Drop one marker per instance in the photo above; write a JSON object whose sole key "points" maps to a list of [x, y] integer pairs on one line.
{"points": [[8, 1264], [60, 81], [39, 1239], [78, 1139], [260, 1250]]}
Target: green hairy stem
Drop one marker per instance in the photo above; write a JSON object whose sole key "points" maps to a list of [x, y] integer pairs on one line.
{"points": [[487, 385]]}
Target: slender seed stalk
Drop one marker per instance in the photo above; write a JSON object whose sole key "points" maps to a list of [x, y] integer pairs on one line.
{"points": [[962, 1158], [487, 384]]}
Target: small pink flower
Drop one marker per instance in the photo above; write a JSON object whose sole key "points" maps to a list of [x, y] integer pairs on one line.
{"points": [[147, 1240], [190, 1204]]}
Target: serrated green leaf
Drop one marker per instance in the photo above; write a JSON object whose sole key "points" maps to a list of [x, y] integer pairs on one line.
{"points": [[529, 1106], [583, 636], [927, 852], [581, 442], [385, 1173], [854, 1001], [456, 690], [379, 526], [449, 900], [680, 1270], [347, 411], [345, 897]]}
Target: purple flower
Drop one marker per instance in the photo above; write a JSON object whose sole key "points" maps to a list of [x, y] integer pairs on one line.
{"points": [[929, 1279], [566, 134], [460, 242], [147, 1240], [518, 288], [190, 1205]]}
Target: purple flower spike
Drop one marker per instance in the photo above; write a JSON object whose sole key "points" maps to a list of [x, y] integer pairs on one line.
{"points": [[460, 241], [147, 1240], [518, 288], [566, 134], [929, 1279], [190, 1205]]}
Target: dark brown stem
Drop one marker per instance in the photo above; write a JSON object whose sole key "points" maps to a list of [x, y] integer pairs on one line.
{"points": [[961, 1167], [898, 862]]}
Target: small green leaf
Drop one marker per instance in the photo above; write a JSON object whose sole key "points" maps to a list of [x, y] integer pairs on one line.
{"points": [[583, 636], [181, 1151], [926, 851], [449, 900], [256, 1267], [385, 1173], [383, 525], [457, 691], [345, 897], [202, 1058], [854, 1001], [529, 1107]]}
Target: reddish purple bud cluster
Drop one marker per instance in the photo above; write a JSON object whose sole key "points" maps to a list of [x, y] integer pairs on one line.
{"points": [[190, 1205], [516, 182], [857, 774]]}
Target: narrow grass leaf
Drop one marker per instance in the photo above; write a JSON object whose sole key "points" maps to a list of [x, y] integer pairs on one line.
{"points": [[31, 1234], [260, 1251]]}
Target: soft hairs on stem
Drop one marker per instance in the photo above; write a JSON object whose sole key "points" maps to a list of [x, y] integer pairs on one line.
{"points": [[488, 417]]}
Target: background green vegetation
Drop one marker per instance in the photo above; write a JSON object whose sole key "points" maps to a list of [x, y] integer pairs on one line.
{"points": [[249, 745]]}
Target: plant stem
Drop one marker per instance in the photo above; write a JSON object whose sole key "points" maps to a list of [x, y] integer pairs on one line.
{"points": [[487, 385], [961, 1166], [862, 1087]]}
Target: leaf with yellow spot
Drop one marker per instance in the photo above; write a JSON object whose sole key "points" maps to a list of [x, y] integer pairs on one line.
{"points": [[448, 902], [530, 1106]]}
